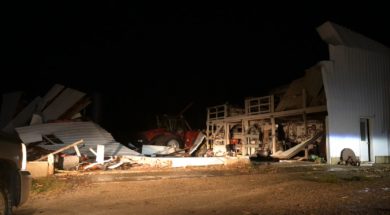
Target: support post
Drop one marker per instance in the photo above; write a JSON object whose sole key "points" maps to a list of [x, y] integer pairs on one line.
{"points": [[50, 162], [100, 154], [61, 149], [273, 135]]}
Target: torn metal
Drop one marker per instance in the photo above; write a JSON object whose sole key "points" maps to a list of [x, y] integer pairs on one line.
{"points": [[70, 132]]}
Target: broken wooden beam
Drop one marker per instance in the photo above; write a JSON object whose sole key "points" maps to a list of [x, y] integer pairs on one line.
{"points": [[61, 149]]}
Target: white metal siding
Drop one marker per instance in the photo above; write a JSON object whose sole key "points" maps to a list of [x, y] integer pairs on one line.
{"points": [[61, 104], [70, 132], [53, 92], [357, 85]]}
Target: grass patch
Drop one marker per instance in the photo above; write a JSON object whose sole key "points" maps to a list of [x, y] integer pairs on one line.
{"points": [[48, 184]]}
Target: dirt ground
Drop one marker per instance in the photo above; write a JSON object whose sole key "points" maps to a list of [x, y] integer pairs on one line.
{"points": [[242, 189]]}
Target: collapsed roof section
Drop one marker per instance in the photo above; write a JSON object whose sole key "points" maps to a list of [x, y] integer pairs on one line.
{"points": [[310, 86], [52, 122], [65, 100], [59, 103], [70, 132]]}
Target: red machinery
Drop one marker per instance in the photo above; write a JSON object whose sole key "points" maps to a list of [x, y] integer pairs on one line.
{"points": [[175, 132]]}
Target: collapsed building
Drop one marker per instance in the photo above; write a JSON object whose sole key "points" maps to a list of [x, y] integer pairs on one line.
{"points": [[58, 135], [340, 103], [55, 122]]}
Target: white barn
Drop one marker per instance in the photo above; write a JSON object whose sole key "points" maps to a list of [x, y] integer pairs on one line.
{"points": [[357, 85]]}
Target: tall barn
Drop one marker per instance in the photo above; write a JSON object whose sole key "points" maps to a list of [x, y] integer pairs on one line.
{"points": [[356, 80]]}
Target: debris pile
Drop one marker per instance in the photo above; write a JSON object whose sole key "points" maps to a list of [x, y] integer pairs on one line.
{"points": [[58, 136], [54, 125]]}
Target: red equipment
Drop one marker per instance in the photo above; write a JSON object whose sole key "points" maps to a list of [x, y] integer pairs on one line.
{"points": [[175, 132]]}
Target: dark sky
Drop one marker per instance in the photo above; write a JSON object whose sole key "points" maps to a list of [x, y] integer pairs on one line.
{"points": [[149, 59]]}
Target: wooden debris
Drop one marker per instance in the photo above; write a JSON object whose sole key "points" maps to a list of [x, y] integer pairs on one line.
{"points": [[61, 149]]}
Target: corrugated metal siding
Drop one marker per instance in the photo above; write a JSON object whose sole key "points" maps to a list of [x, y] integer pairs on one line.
{"points": [[61, 104], [70, 132], [358, 86], [53, 92]]}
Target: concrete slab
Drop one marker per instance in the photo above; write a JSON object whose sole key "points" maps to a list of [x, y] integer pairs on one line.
{"points": [[38, 169]]}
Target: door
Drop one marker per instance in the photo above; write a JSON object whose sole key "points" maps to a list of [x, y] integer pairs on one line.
{"points": [[365, 139]]}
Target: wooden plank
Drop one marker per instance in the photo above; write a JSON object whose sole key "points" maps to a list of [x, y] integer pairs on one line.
{"points": [[273, 135], [50, 161], [76, 148], [93, 151], [308, 110], [226, 125], [61, 149]]}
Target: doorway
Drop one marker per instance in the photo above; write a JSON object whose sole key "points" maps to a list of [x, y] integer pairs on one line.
{"points": [[365, 140]]}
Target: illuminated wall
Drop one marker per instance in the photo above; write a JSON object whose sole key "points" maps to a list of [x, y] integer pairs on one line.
{"points": [[357, 85]]}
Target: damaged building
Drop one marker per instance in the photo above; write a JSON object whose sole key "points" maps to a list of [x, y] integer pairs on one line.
{"points": [[356, 81], [340, 103], [270, 125], [55, 124], [58, 136]]}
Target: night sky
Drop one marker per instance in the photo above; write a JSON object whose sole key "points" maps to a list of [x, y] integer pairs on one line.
{"points": [[150, 59]]}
